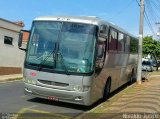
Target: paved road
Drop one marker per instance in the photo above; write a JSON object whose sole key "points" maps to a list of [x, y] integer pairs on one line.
{"points": [[13, 100]]}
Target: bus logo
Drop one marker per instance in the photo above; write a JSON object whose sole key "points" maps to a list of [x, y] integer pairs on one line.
{"points": [[33, 73]]}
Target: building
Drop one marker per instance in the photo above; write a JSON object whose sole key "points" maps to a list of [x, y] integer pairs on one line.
{"points": [[11, 58]]}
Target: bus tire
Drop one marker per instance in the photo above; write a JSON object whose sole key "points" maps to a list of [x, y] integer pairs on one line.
{"points": [[107, 90], [131, 78]]}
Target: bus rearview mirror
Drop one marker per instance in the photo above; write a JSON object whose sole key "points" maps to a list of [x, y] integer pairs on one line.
{"points": [[23, 39]]}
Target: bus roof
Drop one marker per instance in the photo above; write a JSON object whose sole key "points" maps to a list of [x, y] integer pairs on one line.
{"points": [[82, 19]]}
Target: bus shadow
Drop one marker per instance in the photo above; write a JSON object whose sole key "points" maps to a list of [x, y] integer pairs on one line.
{"points": [[121, 88], [76, 106], [59, 104]]}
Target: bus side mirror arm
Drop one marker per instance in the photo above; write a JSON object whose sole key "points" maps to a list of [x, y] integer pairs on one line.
{"points": [[23, 49]]}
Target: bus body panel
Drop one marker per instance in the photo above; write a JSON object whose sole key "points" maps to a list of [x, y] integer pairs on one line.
{"points": [[58, 95], [55, 80], [118, 67], [84, 90], [58, 85]]}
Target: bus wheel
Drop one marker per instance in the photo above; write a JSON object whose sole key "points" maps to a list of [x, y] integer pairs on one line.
{"points": [[131, 80], [131, 77], [107, 90]]}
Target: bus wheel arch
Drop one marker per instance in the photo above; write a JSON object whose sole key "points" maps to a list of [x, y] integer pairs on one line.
{"points": [[107, 88]]}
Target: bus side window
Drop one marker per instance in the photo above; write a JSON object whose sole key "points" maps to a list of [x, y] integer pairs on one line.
{"points": [[100, 56], [121, 42], [113, 40], [103, 32], [101, 50], [127, 44]]}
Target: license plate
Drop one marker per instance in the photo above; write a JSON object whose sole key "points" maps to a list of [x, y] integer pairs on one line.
{"points": [[52, 98]]}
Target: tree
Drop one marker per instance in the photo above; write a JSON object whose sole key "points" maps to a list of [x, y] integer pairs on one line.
{"points": [[151, 46]]}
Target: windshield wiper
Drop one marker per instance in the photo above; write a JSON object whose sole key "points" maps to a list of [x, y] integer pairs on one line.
{"points": [[54, 58], [62, 61], [40, 65]]}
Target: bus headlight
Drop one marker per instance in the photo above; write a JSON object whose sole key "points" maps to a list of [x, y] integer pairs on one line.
{"points": [[25, 80], [76, 88], [79, 88], [31, 81], [34, 82], [86, 88]]}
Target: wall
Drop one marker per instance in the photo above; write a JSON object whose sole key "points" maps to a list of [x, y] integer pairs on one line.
{"points": [[10, 55]]}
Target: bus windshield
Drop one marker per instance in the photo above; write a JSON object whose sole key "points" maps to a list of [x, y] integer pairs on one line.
{"points": [[75, 42]]}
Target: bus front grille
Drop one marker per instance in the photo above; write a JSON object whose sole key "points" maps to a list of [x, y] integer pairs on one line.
{"points": [[46, 94], [53, 83]]}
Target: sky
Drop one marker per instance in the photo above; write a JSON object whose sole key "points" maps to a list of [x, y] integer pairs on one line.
{"points": [[124, 13]]}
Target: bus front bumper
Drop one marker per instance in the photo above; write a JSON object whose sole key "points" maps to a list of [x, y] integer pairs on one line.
{"points": [[82, 98]]}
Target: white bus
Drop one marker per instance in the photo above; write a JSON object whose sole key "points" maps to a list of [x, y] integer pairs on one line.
{"points": [[77, 59]]}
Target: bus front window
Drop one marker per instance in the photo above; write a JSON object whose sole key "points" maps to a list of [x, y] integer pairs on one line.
{"points": [[75, 42], [77, 45], [42, 42]]}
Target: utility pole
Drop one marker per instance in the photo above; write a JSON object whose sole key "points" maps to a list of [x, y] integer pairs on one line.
{"points": [[139, 69]]}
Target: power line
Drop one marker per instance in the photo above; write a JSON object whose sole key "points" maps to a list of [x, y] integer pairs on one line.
{"points": [[151, 11], [157, 6], [149, 23], [138, 3], [122, 10], [155, 9], [152, 14], [158, 2]]}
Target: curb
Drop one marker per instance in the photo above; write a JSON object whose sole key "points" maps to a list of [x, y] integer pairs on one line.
{"points": [[6, 78]]}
